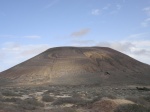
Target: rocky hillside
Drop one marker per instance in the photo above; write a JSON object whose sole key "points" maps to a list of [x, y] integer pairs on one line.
{"points": [[78, 65]]}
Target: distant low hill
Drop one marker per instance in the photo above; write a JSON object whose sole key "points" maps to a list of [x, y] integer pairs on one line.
{"points": [[77, 66]]}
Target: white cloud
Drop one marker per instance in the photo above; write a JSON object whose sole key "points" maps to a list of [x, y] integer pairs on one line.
{"points": [[146, 22], [82, 42], [23, 50], [118, 6], [96, 12], [2, 55], [11, 47], [142, 43], [6, 36], [51, 4], [139, 50], [116, 9], [13, 36], [33, 49], [81, 32], [32, 37], [147, 10], [120, 46], [14, 53], [139, 36], [107, 7]]}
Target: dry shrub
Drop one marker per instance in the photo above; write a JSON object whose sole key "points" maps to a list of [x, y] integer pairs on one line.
{"points": [[10, 93], [10, 99], [30, 104], [132, 108], [47, 98]]}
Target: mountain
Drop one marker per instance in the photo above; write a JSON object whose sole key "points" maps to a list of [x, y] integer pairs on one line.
{"points": [[77, 66]]}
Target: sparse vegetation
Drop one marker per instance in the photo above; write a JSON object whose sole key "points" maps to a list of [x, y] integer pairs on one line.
{"points": [[70, 100], [30, 104], [47, 98], [147, 98], [10, 93], [10, 99], [132, 108], [143, 88]]}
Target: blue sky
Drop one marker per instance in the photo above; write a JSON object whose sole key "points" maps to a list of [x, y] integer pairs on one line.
{"points": [[28, 27]]}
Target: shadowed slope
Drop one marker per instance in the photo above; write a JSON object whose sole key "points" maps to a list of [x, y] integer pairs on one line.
{"points": [[78, 65]]}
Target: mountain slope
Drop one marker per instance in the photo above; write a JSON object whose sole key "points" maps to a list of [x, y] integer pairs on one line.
{"points": [[78, 65]]}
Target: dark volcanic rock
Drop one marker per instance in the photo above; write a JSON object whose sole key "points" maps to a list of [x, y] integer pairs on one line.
{"points": [[78, 65]]}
